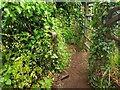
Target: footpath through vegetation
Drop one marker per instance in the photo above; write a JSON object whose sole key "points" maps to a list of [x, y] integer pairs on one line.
{"points": [[36, 36], [76, 75]]}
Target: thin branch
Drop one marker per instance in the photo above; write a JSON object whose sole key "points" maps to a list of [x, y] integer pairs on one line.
{"points": [[112, 11], [113, 20], [8, 35], [113, 38]]}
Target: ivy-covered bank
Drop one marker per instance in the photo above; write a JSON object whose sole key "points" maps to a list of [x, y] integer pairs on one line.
{"points": [[33, 47], [104, 53], [34, 40]]}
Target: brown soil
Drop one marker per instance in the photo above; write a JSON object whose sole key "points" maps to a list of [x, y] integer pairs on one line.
{"points": [[76, 75]]}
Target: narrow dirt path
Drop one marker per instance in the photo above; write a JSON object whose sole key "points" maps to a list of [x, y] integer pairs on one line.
{"points": [[76, 74]]}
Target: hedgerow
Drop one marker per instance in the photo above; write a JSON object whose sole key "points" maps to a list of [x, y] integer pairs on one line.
{"points": [[103, 50], [31, 53], [71, 16]]}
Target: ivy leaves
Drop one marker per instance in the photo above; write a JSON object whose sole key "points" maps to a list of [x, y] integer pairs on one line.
{"points": [[102, 47], [6, 80], [29, 53], [46, 82]]}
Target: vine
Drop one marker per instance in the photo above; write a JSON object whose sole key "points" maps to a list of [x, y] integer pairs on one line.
{"points": [[102, 46], [72, 17], [31, 54]]}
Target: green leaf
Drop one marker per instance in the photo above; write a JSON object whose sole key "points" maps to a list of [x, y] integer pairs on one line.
{"points": [[42, 82], [22, 4], [2, 79], [46, 56], [18, 9], [33, 7], [8, 82], [54, 56], [105, 13], [35, 32], [7, 10]]}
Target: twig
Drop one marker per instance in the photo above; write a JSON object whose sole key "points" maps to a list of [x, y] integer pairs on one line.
{"points": [[8, 35], [105, 72]]}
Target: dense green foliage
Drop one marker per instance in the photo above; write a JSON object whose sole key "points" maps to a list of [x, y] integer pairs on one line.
{"points": [[35, 36], [30, 54], [71, 16], [102, 48]]}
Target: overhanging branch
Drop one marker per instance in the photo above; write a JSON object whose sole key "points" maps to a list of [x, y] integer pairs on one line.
{"points": [[113, 20], [112, 11], [109, 36]]}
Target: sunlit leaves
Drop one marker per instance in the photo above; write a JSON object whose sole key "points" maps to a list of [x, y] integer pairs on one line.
{"points": [[103, 47], [46, 83], [28, 52]]}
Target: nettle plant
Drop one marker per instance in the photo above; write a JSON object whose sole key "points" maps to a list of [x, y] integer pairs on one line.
{"points": [[29, 54], [102, 47]]}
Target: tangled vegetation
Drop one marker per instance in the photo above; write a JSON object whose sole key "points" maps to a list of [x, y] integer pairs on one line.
{"points": [[35, 37], [30, 51], [33, 42], [71, 15], [104, 50]]}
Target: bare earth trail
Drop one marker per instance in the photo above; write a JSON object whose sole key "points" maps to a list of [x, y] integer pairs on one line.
{"points": [[77, 73]]}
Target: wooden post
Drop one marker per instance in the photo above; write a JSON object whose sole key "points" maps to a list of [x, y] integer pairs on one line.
{"points": [[85, 23]]}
